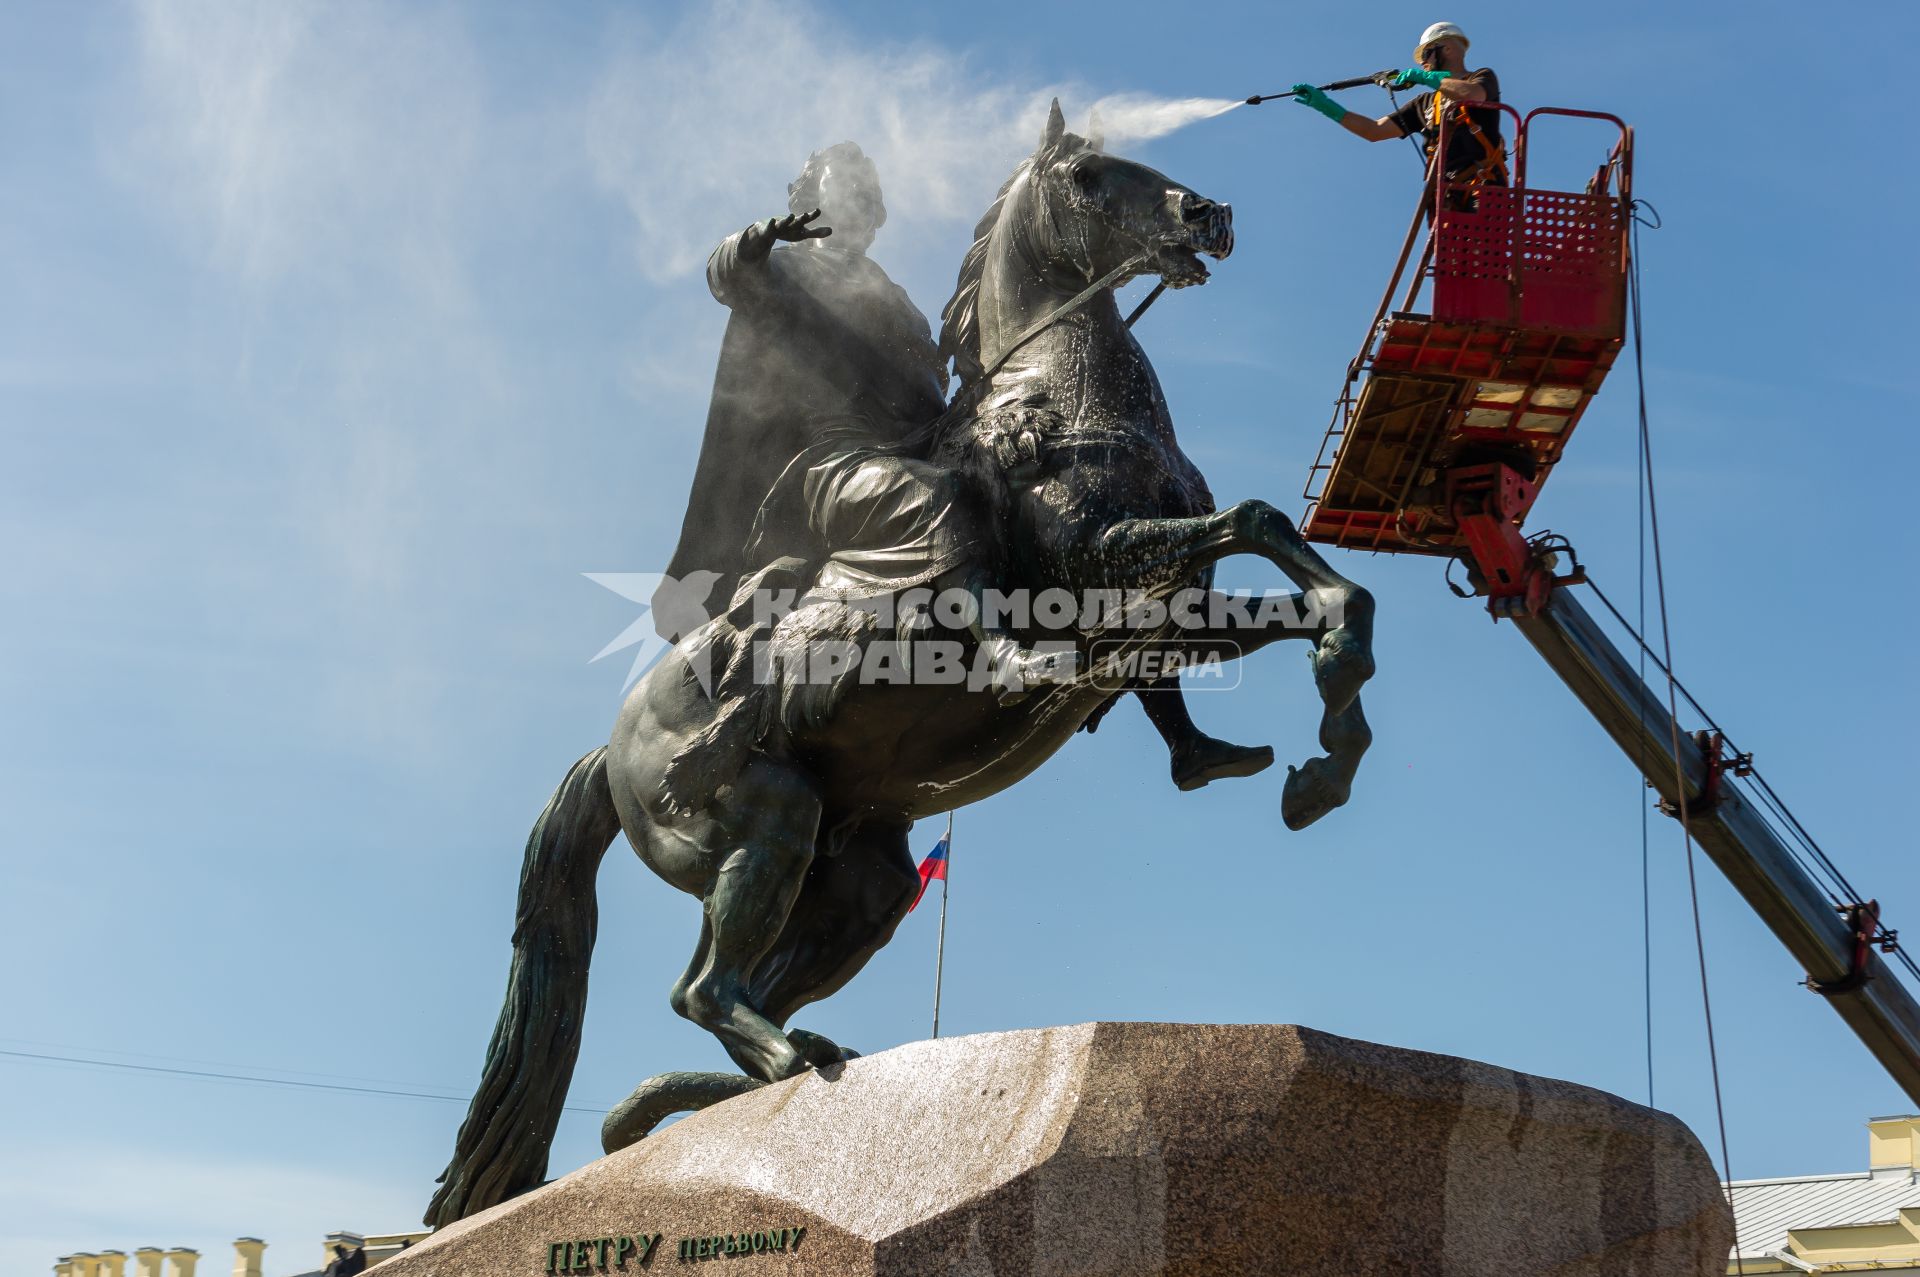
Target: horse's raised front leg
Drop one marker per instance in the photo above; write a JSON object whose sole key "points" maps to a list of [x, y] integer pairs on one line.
{"points": [[1231, 626], [1343, 658], [1160, 554]]}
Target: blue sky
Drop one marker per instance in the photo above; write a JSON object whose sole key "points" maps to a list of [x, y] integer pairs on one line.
{"points": [[337, 344]]}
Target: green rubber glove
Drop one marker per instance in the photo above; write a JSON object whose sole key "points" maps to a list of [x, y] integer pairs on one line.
{"points": [[1420, 76], [1307, 95]]}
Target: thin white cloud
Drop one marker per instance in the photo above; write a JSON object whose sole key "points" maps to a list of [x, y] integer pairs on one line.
{"points": [[718, 110], [298, 137], [332, 175]]}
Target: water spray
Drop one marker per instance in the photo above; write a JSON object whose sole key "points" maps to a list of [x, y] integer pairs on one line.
{"points": [[1335, 87], [1133, 117]]}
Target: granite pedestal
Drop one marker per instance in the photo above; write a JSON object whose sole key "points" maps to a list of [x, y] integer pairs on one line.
{"points": [[1116, 1150]]}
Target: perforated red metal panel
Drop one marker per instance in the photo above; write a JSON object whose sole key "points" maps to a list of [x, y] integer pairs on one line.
{"points": [[1473, 256], [1561, 248], [1571, 275]]}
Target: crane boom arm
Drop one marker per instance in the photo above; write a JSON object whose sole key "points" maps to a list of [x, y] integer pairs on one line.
{"points": [[1744, 846]]}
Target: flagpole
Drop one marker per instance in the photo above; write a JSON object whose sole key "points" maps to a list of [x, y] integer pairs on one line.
{"points": [[940, 950]]}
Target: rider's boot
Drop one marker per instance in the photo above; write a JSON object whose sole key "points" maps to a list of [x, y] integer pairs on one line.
{"points": [[1195, 757]]}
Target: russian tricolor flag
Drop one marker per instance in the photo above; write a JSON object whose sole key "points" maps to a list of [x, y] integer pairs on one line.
{"points": [[934, 866]]}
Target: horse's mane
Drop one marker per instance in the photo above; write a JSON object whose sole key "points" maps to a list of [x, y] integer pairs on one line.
{"points": [[960, 320]]}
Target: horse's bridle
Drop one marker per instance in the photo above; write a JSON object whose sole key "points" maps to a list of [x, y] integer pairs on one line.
{"points": [[1143, 254], [1071, 305], [1066, 308]]}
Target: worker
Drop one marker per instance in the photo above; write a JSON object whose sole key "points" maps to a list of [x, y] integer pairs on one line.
{"points": [[1476, 155]]}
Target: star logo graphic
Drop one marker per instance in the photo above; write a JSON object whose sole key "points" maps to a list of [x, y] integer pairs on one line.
{"points": [[670, 609]]}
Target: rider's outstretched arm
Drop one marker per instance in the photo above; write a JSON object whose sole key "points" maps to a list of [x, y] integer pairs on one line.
{"points": [[736, 267]]}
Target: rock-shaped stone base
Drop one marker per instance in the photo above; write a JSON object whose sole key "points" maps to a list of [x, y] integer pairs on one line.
{"points": [[1124, 1149]]}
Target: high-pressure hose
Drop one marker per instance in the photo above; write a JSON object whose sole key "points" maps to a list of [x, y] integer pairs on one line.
{"points": [[1335, 87]]}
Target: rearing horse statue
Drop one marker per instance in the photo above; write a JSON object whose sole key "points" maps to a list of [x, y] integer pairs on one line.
{"points": [[797, 843]]}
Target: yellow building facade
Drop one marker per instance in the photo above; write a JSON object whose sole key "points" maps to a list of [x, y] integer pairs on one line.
{"points": [[249, 1258], [1866, 1221]]}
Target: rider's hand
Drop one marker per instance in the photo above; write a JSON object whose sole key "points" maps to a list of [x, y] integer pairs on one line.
{"points": [[795, 227], [760, 237], [1307, 95]]}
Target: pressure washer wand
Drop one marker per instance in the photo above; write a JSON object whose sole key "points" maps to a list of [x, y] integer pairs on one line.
{"points": [[1335, 87]]}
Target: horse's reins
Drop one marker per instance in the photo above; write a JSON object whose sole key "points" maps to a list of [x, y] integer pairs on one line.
{"points": [[1078, 300], [969, 398], [1086, 295]]}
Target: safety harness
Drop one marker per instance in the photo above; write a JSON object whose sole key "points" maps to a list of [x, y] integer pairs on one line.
{"points": [[1493, 155]]}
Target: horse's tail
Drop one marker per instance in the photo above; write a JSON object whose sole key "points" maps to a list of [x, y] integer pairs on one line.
{"points": [[502, 1147]]}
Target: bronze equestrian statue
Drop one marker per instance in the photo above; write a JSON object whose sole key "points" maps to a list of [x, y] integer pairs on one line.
{"points": [[782, 799]]}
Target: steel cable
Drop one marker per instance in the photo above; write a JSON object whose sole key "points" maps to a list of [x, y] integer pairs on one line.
{"points": [[211, 1076], [1673, 708]]}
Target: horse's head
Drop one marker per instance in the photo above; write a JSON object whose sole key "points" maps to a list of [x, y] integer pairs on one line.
{"points": [[1068, 216], [1095, 211]]}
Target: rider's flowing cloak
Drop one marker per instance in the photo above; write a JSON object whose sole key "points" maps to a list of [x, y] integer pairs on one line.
{"points": [[824, 356]]}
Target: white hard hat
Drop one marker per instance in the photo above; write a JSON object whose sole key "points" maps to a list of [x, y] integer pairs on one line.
{"points": [[1440, 31]]}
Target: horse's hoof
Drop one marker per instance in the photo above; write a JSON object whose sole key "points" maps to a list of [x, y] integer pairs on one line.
{"points": [[819, 1051], [1310, 794], [1212, 760]]}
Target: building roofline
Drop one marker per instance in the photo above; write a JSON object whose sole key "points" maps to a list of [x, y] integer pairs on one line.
{"points": [[1796, 1179]]}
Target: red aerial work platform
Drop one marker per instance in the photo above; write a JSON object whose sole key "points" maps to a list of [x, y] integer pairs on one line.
{"points": [[1449, 422]]}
